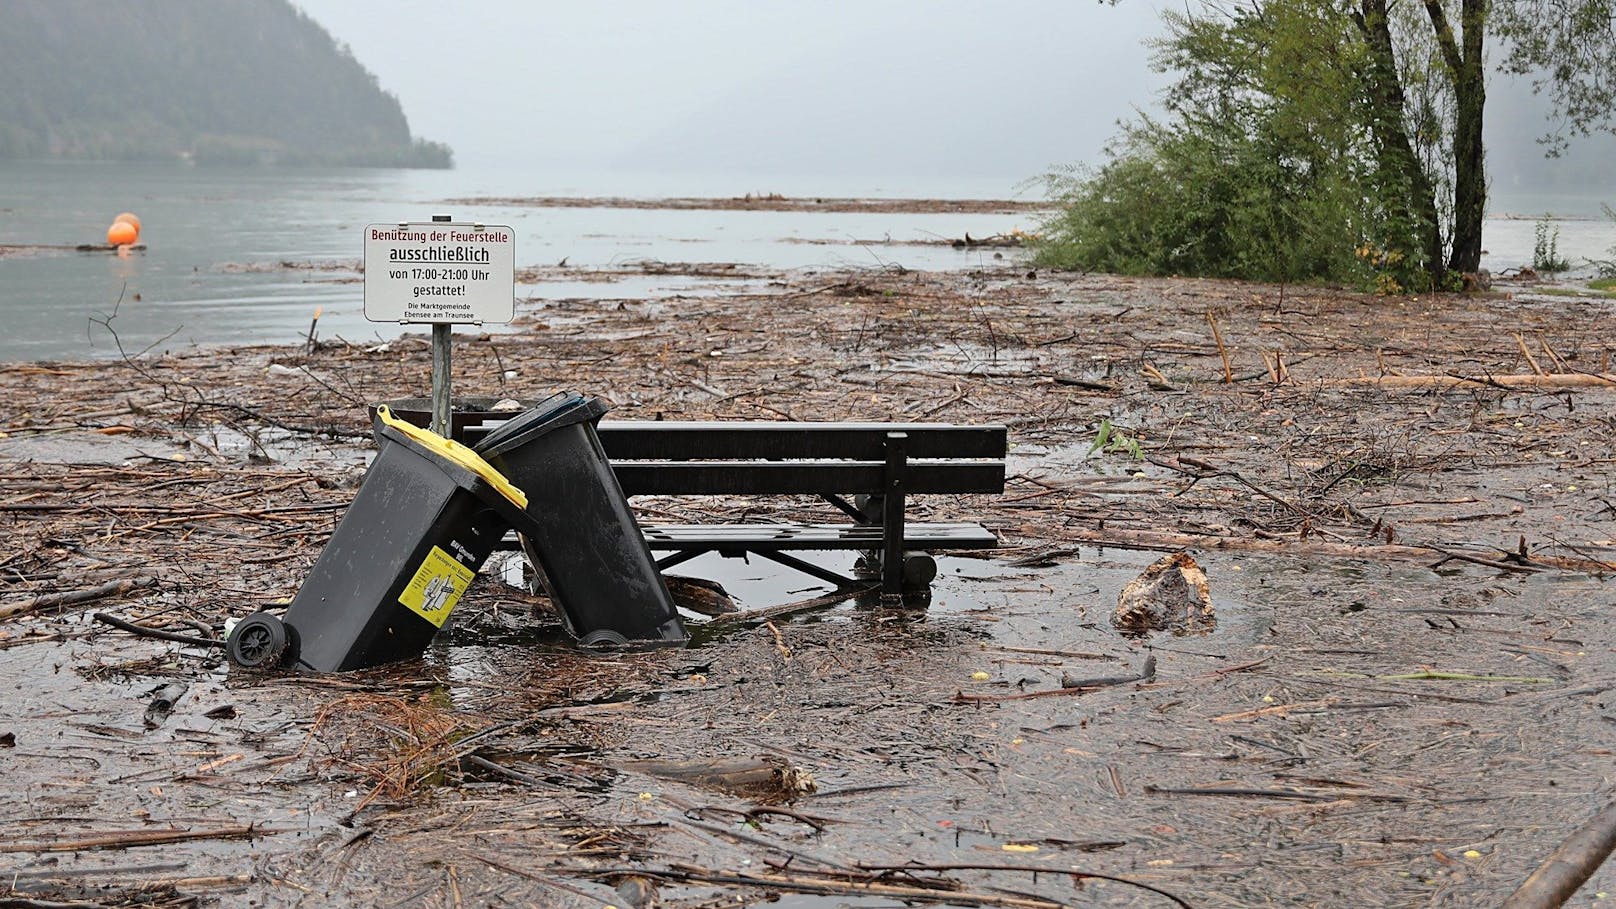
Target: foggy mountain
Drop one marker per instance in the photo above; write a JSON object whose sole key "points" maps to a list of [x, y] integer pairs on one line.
{"points": [[252, 81]]}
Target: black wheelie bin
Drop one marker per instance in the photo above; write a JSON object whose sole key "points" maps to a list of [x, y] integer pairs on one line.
{"points": [[428, 514], [579, 528]]}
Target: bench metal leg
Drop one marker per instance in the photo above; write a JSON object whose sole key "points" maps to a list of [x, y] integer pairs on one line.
{"points": [[842, 504], [892, 516], [678, 558], [809, 568]]}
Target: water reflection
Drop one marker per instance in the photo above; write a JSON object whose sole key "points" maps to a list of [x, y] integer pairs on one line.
{"points": [[218, 238]]}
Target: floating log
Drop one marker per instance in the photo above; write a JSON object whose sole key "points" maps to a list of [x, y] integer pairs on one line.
{"points": [[1569, 866], [766, 778], [68, 598], [1551, 380]]}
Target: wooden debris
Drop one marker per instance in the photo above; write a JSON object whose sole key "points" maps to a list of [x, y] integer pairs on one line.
{"points": [[765, 778], [1170, 595], [128, 839], [1302, 469], [1147, 671], [72, 597], [699, 595], [162, 703], [1544, 381], [1569, 866]]}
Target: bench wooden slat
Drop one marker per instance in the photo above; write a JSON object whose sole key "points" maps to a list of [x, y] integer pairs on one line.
{"points": [[833, 460], [786, 537], [633, 440], [780, 537], [802, 477]]}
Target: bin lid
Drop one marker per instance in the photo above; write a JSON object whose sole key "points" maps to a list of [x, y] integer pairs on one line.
{"points": [[559, 410], [450, 450]]}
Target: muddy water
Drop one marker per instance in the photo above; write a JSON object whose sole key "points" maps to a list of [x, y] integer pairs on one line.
{"points": [[95, 448], [1386, 790], [1343, 777], [89, 762]]}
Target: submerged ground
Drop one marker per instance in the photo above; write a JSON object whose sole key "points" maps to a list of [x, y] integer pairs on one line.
{"points": [[1407, 699]]}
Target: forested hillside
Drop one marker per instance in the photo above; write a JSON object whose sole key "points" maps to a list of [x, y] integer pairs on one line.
{"points": [[212, 81]]}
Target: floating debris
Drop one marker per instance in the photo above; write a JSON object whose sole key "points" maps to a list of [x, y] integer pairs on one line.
{"points": [[1171, 595]]}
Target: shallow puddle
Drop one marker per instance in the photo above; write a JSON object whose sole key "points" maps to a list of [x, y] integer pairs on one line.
{"points": [[1334, 698], [87, 753]]}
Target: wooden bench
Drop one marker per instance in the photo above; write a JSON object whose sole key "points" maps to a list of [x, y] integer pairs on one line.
{"points": [[865, 470]]}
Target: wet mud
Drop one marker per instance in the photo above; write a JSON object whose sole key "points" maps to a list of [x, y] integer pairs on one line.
{"points": [[1406, 698]]}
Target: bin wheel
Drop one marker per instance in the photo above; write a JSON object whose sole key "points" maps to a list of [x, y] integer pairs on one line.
{"points": [[259, 642], [919, 570], [603, 638]]}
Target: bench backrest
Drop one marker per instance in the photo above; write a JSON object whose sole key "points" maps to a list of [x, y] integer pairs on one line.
{"points": [[758, 458], [652, 457]]}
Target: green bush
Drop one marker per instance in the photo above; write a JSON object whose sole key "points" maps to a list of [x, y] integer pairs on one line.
{"points": [[1263, 169], [1546, 256], [1218, 203]]}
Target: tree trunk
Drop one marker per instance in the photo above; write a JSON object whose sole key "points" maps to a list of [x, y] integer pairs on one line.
{"points": [[1394, 150], [1469, 165], [1464, 66]]}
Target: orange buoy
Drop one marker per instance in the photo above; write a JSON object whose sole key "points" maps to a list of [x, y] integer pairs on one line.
{"points": [[122, 233], [130, 217]]}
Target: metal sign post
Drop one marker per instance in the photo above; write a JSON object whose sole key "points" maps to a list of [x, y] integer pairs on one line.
{"points": [[441, 370], [440, 273], [442, 367]]}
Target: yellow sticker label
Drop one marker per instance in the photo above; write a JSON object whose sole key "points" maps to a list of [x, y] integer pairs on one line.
{"points": [[436, 587]]}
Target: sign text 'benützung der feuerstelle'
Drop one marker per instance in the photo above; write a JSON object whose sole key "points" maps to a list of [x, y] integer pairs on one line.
{"points": [[440, 272]]}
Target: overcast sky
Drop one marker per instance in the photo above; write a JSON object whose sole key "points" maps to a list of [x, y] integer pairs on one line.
{"points": [[840, 87]]}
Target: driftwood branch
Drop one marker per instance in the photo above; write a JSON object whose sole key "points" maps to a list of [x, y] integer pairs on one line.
{"points": [[71, 597], [766, 777], [1168, 541], [1223, 351], [773, 612], [159, 633], [1536, 380], [125, 839], [869, 884], [1569, 866]]}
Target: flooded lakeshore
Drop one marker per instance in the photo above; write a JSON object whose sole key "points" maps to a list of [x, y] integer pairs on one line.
{"points": [[245, 256], [1405, 698], [248, 255]]}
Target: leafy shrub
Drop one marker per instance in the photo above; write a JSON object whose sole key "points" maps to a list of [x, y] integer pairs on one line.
{"points": [[1546, 247], [1263, 170], [1218, 203]]}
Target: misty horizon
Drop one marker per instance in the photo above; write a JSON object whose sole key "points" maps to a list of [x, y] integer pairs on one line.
{"points": [[904, 88]]}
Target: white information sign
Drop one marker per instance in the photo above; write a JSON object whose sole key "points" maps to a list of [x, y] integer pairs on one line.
{"points": [[440, 272]]}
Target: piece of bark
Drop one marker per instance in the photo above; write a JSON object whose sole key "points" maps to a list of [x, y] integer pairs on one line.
{"points": [[162, 703], [1147, 671], [1171, 595], [699, 595], [765, 778]]}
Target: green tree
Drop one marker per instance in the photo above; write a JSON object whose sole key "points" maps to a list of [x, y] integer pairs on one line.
{"points": [[1367, 104], [1274, 161], [1566, 47]]}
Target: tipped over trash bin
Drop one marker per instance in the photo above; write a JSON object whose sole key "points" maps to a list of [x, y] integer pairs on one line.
{"points": [[428, 514], [431, 511], [596, 565]]}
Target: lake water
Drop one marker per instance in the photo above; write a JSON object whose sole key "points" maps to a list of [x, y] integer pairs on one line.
{"points": [[216, 237]]}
